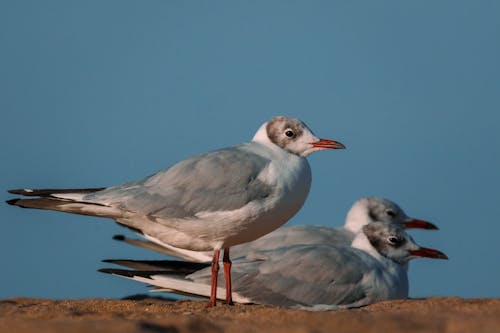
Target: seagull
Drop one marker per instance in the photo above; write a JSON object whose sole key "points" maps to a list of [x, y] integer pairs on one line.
{"points": [[307, 276], [363, 211], [208, 202]]}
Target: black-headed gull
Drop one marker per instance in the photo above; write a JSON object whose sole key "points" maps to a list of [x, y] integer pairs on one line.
{"points": [[363, 211], [208, 202], [315, 277]]}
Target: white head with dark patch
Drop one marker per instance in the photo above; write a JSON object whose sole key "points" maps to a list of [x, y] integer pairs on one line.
{"points": [[391, 241], [373, 209], [293, 136]]}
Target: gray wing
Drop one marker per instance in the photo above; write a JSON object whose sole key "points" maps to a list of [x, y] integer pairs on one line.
{"points": [[225, 179], [301, 275], [295, 235]]}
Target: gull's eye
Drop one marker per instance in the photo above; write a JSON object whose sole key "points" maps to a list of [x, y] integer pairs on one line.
{"points": [[289, 133], [393, 240], [390, 212]]}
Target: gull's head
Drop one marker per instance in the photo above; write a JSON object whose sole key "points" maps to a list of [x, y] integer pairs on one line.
{"points": [[391, 241], [375, 209], [293, 136]]}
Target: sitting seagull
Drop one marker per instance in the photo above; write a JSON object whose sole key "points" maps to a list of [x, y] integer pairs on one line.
{"points": [[208, 202], [364, 211], [315, 277]]}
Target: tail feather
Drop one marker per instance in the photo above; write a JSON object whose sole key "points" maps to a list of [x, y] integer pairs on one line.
{"points": [[68, 206], [166, 283], [164, 266], [129, 273], [188, 255], [49, 192], [180, 285], [144, 244]]}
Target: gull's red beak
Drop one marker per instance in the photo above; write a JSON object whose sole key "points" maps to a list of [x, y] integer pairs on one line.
{"points": [[327, 144], [428, 253], [419, 224]]}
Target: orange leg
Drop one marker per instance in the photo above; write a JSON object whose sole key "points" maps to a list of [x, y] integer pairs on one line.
{"points": [[215, 272], [227, 276]]}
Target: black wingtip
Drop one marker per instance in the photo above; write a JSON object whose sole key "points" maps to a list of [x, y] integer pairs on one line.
{"points": [[15, 191], [50, 191], [112, 261], [119, 237], [12, 201], [114, 271], [107, 270], [128, 273], [24, 191]]}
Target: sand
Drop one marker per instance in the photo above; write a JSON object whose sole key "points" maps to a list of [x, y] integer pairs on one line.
{"points": [[154, 315]]}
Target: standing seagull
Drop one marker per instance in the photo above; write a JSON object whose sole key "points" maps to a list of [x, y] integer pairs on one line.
{"points": [[208, 202]]}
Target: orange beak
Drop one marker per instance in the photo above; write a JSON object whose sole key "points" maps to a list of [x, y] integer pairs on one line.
{"points": [[327, 144]]}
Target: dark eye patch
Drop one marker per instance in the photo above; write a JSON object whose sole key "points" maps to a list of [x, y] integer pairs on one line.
{"points": [[395, 241], [278, 128], [372, 215], [390, 212]]}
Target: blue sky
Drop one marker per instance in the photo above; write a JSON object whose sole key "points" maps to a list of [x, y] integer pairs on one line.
{"points": [[96, 93]]}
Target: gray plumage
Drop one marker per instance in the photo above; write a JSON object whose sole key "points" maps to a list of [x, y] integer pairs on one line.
{"points": [[295, 235], [299, 275], [267, 277], [199, 183]]}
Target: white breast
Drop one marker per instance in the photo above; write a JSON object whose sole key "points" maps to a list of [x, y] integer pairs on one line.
{"points": [[290, 175]]}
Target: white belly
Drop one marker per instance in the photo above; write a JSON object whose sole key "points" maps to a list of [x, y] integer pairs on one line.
{"points": [[259, 218]]}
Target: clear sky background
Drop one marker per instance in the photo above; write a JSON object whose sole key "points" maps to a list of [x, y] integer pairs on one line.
{"points": [[96, 93]]}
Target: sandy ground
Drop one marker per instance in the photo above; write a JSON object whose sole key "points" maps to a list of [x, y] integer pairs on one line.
{"points": [[151, 315]]}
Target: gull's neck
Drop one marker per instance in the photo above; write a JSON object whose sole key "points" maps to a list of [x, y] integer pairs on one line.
{"points": [[361, 242], [357, 218]]}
